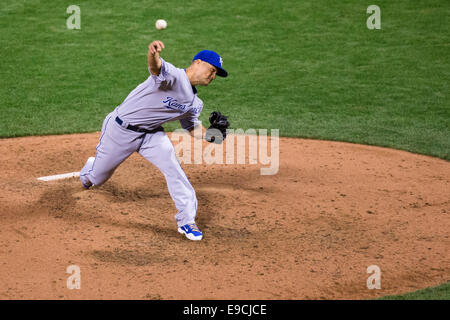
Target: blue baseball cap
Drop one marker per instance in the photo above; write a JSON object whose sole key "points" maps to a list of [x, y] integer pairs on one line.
{"points": [[212, 58]]}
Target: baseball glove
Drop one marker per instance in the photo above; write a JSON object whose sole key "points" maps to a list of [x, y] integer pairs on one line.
{"points": [[217, 131]]}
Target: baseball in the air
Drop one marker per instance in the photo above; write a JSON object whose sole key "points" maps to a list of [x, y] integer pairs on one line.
{"points": [[160, 24]]}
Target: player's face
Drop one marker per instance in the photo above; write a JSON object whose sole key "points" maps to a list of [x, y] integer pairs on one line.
{"points": [[207, 73]]}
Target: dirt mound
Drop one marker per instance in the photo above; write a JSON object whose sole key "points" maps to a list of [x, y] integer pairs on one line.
{"points": [[308, 232]]}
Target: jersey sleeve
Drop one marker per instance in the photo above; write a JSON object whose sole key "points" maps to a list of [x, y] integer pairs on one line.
{"points": [[191, 120], [168, 71]]}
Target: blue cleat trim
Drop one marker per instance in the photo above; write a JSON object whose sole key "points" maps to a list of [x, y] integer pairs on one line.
{"points": [[86, 186], [191, 231]]}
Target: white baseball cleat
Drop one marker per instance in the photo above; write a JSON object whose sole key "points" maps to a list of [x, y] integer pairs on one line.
{"points": [[191, 231]]}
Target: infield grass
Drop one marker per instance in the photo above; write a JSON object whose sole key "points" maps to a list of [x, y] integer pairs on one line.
{"points": [[441, 292], [309, 68]]}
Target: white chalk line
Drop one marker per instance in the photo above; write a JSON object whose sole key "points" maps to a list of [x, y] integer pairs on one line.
{"points": [[60, 176]]}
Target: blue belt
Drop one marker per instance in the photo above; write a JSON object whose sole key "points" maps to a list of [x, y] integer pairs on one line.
{"points": [[137, 129]]}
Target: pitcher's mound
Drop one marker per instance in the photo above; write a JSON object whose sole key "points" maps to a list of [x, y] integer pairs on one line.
{"points": [[308, 232]]}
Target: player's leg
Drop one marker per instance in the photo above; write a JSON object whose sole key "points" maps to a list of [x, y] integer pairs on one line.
{"points": [[115, 145], [158, 149]]}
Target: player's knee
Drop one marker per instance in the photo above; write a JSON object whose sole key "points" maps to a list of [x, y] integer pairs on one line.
{"points": [[99, 178]]}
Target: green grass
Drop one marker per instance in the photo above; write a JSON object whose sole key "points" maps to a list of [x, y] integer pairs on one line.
{"points": [[309, 68], [441, 292]]}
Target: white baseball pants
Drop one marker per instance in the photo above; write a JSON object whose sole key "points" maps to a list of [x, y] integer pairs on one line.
{"points": [[117, 143]]}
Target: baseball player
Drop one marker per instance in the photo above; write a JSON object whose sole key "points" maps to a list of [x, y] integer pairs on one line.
{"points": [[168, 94]]}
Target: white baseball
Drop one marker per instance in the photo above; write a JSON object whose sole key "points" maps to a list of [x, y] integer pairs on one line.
{"points": [[160, 24]]}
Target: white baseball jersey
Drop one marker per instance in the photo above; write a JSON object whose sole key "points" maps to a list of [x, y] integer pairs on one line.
{"points": [[166, 97]]}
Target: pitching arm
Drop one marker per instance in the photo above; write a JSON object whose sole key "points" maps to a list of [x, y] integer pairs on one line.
{"points": [[154, 61]]}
